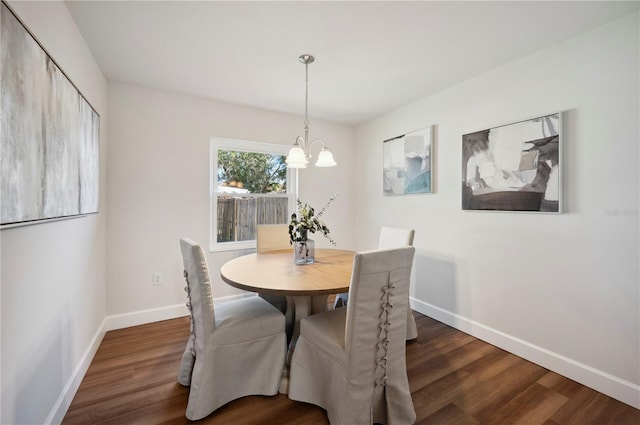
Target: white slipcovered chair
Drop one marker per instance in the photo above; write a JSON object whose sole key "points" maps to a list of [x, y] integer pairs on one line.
{"points": [[271, 237], [390, 238], [235, 351], [351, 361]]}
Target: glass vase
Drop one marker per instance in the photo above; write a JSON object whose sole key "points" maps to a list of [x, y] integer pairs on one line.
{"points": [[304, 252]]}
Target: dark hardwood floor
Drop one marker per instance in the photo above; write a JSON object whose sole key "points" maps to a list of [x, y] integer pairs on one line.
{"points": [[455, 379]]}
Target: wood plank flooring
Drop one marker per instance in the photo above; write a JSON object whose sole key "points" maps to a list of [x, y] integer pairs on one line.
{"points": [[455, 379]]}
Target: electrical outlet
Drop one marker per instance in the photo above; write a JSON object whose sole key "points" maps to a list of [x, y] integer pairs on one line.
{"points": [[157, 278]]}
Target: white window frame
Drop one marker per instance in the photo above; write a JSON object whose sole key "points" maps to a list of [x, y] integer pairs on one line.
{"points": [[216, 144]]}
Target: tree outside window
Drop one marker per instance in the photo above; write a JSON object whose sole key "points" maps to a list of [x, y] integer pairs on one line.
{"points": [[255, 172]]}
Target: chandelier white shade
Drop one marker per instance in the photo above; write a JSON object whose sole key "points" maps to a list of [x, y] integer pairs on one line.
{"points": [[297, 157], [299, 154], [325, 159]]}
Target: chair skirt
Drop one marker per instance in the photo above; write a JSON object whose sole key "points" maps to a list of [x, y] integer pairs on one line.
{"points": [[318, 376], [241, 369]]}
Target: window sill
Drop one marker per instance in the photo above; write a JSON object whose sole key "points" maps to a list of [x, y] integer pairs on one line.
{"points": [[233, 246]]}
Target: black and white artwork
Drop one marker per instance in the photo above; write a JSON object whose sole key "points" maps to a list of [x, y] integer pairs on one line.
{"points": [[407, 163], [514, 167], [49, 134]]}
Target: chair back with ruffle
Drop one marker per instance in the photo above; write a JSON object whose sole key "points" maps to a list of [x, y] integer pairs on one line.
{"points": [[376, 374], [199, 303], [196, 274]]}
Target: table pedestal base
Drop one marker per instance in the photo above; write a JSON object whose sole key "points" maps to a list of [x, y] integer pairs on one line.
{"points": [[298, 306]]}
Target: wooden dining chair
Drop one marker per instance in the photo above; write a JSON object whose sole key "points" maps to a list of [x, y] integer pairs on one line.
{"points": [[351, 361], [390, 237], [235, 350], [271, 237]]}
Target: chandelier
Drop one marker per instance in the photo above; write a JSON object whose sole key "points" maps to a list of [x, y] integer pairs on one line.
{"points": [[299, 154]]}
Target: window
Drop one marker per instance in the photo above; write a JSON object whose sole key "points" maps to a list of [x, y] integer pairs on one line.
{"points": [[250, 185]]}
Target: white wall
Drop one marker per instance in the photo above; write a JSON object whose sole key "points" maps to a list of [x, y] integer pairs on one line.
{"points": [[477, 271], [159, 186], [562, 290], [53, 274]]}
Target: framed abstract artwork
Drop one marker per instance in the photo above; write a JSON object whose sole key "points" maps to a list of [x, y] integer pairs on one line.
{"points": [[407, 163], [49, 134], [514, 167]]}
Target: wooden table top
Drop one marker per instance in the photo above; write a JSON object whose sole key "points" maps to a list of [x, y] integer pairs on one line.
{"points": [[274, 272]]}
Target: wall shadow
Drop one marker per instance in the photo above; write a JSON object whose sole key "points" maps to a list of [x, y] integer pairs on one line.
{"points": [[435, 280]]}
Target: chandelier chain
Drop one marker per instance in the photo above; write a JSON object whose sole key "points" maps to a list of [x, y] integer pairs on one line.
{"points": [[306, 96]]}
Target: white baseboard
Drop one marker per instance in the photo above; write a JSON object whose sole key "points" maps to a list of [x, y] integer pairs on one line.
{"points": [[620, 389], [141, 317], [69, 391], [109, 323]]}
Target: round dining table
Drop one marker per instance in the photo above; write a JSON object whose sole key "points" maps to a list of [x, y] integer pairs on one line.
{"points": [[274, 272], [306, 286]]}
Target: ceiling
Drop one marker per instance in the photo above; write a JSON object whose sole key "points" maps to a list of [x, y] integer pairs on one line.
{"points": [[371, 57]]}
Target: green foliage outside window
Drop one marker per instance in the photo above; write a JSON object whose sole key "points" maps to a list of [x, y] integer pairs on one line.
{"points": [[256, 172]]}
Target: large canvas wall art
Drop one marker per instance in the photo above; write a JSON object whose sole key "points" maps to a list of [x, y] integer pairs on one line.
{"points": [[515, 167], [407, 163], [49, 134]]}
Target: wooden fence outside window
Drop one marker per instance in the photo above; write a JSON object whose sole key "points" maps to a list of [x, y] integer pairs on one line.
{"points": [[238, 216]]}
